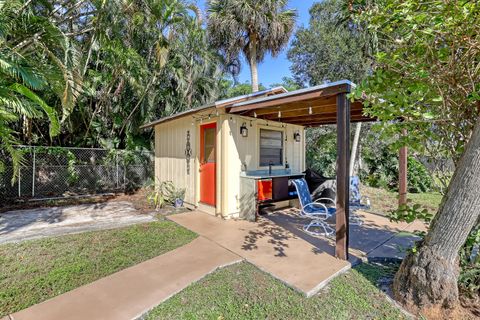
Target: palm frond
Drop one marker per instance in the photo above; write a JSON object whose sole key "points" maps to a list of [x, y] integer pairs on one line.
{"points": [[49, 111], [8, 142], [19, 71]]}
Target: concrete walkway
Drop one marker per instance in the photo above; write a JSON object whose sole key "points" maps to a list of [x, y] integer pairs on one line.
{"points": [[278, 245], [20, 225], [272, 248], [130, 293]]}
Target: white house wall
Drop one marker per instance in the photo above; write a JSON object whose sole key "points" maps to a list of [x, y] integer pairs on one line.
{"points": [[238, 149], [232, 150], [170, 160]]}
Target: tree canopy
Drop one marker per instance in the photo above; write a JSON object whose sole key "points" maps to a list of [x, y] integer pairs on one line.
{"points": [[105, 67], [332, 47], [426, 84], [427, 73], [254, 28]]}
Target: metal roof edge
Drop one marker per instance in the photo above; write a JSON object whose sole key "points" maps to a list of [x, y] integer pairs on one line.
{"points": [[210, 105], [250, 95], [177, 115], [296, 92]]}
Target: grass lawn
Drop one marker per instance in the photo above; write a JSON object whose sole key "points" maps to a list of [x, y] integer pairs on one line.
{"points": [[36, 270], [383, 201], [242, 291]]}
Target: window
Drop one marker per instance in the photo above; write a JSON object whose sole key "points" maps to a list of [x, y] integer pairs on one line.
{"points": [[271, 147], [209, 145]]}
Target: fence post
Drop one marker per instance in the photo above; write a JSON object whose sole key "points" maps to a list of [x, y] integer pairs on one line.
{"points": [[116, 164], [124, 173], [19, 181], [33, 174]]}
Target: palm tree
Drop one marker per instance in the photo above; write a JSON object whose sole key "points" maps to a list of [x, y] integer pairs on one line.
{"points": [[35, 56], [250, 26]]}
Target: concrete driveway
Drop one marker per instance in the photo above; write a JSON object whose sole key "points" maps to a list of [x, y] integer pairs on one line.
{"points": [[20, 225]]}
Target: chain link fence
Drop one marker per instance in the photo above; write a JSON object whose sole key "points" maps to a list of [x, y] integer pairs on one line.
{"points": [[52, 172]]}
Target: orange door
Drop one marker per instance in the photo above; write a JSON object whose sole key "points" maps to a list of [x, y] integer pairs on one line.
{"points": [[208, 134]]}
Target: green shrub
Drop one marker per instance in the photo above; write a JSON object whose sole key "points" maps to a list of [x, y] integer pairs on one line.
{"points": [[419, 179], [321, 151], [163, 193], [469, 279], [380, 162]]}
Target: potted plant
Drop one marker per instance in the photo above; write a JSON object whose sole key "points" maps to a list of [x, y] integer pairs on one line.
{"points": [[179, 196], [164, 193]]}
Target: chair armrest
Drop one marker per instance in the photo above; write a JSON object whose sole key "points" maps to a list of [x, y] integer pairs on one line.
{"points": [[326, 214]]}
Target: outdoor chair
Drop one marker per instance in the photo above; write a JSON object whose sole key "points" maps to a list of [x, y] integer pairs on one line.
{"points": [[322, 205], [357, 202], [315, 210]]}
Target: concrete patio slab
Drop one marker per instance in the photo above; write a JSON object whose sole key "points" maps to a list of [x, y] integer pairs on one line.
{"points": [[365, 240], [395, 248], [131, 292], [271, 248], [28, 224]]}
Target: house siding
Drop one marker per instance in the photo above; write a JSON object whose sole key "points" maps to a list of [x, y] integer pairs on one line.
{"points": [[170, 160], [232, 150], [240, 149]]}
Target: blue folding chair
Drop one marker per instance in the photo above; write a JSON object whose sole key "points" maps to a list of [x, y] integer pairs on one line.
{"points": [[315, 210], [357, 202]]}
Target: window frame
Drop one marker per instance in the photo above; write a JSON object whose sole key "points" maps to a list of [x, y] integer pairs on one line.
{"points": [[282, 139]]}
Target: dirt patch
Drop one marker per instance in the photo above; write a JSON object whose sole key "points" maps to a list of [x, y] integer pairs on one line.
{"points": [[465, 310], [471, 304], [21, 225], [457, 313]]}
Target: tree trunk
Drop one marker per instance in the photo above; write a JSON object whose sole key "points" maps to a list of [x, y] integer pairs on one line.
{"points": [[428, 278], [353, 154], [253, 62]]}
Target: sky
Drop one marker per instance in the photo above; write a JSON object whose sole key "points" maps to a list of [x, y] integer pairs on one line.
{"points": [[272, 70]]}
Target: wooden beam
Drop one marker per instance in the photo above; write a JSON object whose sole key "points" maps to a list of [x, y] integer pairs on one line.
{"points": [[343, 177], [402, 175], [314, 117], [302, 96], [294, 106], [331, 108], [325, 120], [328, 122]]}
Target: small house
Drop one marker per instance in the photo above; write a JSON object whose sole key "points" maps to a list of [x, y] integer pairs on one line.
{"points": [[214, 150], [235, 155], [207, 150]]}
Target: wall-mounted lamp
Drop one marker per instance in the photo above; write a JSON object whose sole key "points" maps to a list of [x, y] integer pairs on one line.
{"points": [[244, 130], [296, 136]]}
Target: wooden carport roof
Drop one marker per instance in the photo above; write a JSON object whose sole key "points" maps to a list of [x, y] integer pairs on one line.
{"points": [[307, 107], [320, 105]]}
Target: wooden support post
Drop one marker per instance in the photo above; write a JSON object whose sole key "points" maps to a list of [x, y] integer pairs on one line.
{"points": [[343, 176], [402, 176]]}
